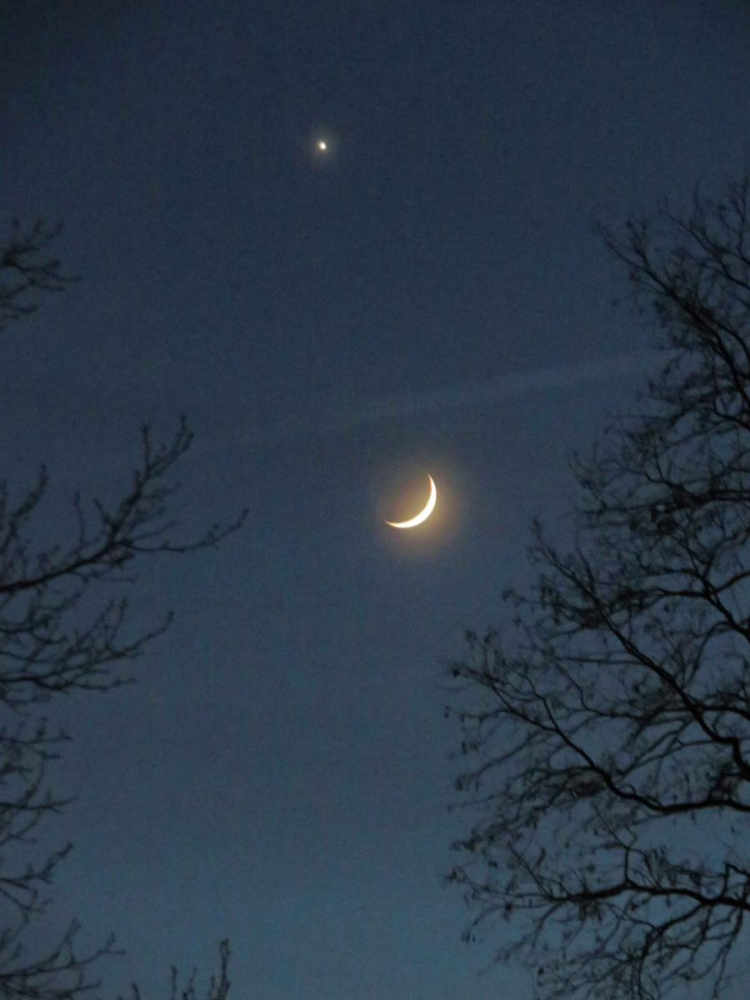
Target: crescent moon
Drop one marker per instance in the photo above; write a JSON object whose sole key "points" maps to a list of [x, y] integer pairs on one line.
{"points": [[423, 514]]}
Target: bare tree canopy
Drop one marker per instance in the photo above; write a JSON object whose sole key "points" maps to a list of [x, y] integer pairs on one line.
{"points": [[218, 986], [609, 724], [26, 268], [59, 634]]}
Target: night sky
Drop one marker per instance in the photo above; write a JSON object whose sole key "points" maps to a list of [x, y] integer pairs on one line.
{"points": [[427, 296]]}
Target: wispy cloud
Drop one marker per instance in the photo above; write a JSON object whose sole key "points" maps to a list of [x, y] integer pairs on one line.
{"points": [[466, 394]]}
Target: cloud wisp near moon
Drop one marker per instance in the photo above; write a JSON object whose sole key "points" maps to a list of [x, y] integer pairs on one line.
{"points": [[467, 394]]}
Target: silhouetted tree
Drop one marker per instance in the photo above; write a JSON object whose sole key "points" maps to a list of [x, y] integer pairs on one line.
{"points": [[610, 721], [26, 268], [59, 633], [218, 987]]}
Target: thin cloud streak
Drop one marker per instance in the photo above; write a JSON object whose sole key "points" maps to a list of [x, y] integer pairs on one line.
{"points": [[468, 394]]}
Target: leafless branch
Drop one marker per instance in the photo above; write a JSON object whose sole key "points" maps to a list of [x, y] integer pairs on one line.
{"points": [[622, 712]]}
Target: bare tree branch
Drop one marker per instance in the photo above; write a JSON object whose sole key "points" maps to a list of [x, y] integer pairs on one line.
{"points": [[25, 269], [57, 636], [615, 733], [218, 987]]}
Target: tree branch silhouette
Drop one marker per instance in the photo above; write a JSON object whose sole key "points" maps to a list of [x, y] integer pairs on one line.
{"points": [[610, 719], [59, 634]]}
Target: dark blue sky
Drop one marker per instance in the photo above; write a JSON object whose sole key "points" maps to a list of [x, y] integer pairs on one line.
{"points": [[428, 297]]}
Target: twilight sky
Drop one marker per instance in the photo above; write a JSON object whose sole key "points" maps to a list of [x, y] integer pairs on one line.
{"points": [[426, 297]]}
